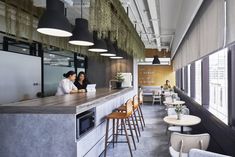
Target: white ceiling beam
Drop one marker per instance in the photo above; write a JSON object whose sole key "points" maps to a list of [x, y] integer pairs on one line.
{"points": [[155, 18], [142, 19], [136, 21]]}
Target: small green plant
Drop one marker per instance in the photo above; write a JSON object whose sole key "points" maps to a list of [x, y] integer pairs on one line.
{"points": [[119, 77], [178, 109]]}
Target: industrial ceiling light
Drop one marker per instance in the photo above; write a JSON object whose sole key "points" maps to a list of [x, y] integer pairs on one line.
{"points": [[156, 60], [99, 46], [111, 50], [81, 35], [119, 52], [53, 22]]}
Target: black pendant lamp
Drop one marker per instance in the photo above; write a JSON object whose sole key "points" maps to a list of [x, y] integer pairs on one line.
{"points": [[111, 50], [99, 44], [81, 35], [156, 60], [53, 21], [119, 52]]}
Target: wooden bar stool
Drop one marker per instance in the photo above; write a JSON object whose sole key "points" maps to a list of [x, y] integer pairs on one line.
{"points": [[141, 101], [123, 109], [122, 117], [134, 120], [136, 108]]}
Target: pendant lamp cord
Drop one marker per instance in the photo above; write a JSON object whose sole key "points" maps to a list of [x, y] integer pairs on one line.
{"points": [[81, 7]]}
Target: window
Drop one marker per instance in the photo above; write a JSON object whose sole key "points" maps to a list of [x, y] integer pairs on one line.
{"points": [[183, 87], [56, 57], [198, 79], [189, 89], [218, 84]]}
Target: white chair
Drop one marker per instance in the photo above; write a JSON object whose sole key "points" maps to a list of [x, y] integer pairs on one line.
{"points": [[157, 97], [203, 153], [182, 143], [171, 111]]}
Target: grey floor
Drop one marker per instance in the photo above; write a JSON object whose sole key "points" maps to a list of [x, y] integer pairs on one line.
{"points": [[153, 140]]}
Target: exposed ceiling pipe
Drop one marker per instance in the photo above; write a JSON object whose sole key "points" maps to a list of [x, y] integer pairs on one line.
{"points": [[141, 17], [136, 21], [172, 39], [153, 8]]}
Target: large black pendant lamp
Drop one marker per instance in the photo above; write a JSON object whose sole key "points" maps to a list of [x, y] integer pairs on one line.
{"points": [[81, 35], [111, 50], [53, 21], [99, 44]]}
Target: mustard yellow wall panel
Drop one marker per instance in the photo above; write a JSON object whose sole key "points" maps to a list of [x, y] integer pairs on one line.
{"points": [[150, 75]]}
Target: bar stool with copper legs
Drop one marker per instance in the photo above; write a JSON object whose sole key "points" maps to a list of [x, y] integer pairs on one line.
{"points": [[122, 117], [134, 119], [140, 106], [123, 109], [136, 107]]}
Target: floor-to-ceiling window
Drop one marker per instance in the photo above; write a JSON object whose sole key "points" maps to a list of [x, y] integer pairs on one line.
{"points": [[218, 84], [198, 81], [183, 80], [188, 77]]}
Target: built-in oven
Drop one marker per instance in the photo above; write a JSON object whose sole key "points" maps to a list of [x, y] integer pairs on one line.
{"points": [[85, 121]]}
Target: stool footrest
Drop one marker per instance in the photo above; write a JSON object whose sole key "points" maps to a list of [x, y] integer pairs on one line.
{"points": [[117, 142]]}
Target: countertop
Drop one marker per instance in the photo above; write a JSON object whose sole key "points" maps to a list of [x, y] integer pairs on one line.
{"points": [[67, 104]]}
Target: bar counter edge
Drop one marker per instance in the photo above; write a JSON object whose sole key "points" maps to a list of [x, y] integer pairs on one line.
{"points": [[52, 130]]}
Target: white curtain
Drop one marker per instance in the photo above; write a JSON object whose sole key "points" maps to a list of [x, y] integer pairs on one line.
{"points": [[230, 21], [206, 34]]}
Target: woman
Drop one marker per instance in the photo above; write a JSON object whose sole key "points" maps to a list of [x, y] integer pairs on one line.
{"points": [[167, 86], [66, 85], [81, 82]]}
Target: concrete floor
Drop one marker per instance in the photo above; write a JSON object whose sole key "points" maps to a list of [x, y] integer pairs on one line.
{"points": [[153, 140]]}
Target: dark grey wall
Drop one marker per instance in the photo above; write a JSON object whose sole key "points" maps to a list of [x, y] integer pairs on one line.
{"points": [[101, 70], [96, 71]]}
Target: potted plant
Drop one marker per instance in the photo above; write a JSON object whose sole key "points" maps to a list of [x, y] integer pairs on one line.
{"points": [[119, 79], [178, 110]]}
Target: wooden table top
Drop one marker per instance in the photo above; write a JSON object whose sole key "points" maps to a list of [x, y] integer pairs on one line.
{"points": [[67, 104], [186, 120]]}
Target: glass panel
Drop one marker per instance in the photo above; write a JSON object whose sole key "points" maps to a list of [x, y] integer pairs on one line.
{"points": [[218, 84], [183, 78], [56, 63], [198, 81], [189, 89], [54, 59]]}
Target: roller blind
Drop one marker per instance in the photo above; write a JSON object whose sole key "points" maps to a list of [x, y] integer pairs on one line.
{"points": [[206, 34]]}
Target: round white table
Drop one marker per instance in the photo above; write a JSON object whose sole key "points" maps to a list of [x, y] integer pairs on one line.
{"points": [[176, 102], [186, 120]]}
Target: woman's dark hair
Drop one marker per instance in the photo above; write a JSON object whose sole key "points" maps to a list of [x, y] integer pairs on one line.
{"points": [[69, 73], [82, 73]]}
